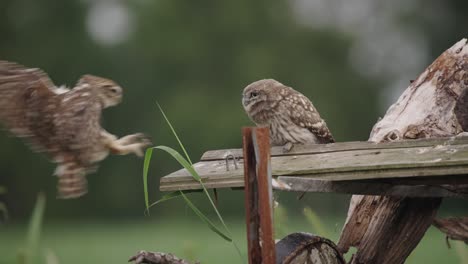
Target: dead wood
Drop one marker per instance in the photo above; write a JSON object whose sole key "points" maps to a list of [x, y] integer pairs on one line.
{"points": [[387, 229]]}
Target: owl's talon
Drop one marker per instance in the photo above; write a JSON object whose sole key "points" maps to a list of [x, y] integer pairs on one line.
{"points": [[132, 139], [139, 152], [462, 134], [141, 148], [288, 147], [145, 140]]}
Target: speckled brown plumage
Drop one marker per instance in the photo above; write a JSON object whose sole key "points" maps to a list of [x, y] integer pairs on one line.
{"points": [[290, 115], [63, 123]]}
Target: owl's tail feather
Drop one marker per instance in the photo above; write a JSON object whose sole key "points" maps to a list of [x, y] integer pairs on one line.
{"points": [[72, 181]]}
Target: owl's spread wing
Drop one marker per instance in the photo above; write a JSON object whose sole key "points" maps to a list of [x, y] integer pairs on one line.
{"points": [[305, 115], [79, 133], [27, 104], [78, 123]]}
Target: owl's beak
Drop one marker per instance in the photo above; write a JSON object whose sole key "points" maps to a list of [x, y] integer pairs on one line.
{"points": [[245, 101]]}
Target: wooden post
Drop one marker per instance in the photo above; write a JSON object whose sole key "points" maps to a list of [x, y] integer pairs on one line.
{"points": [[258, 195]]}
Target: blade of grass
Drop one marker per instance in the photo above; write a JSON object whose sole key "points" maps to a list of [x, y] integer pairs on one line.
{"points": [[31, 254], [316, 222], [148, 154], [185, 163], [3, 211], [205, 219], [174, 132], [171, 196], [3, 208], [195, 175]]}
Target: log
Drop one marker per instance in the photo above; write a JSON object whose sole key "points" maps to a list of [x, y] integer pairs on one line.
{"points": [[386, 229]]}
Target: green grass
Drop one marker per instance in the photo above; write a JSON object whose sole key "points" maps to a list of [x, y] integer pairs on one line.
{"points": [[187, 164], [32, 253], [115, 241]]}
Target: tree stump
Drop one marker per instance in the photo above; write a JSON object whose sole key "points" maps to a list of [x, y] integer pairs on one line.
{"points": [[387, 229]]}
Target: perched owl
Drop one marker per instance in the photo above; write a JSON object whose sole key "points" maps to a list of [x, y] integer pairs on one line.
{"points": [[291, 117], [63, 123]]}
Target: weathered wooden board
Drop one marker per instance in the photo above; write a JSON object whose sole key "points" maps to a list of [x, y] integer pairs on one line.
{"points": [[366, 188], [341, 146], [349, 161]]}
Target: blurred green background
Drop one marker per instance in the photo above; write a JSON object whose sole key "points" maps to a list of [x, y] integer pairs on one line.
{"points": [[351, 58]]}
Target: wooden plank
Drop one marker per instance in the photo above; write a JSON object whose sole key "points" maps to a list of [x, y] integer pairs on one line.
{"points": [[345, 165], [366, 188], [341, 146]]}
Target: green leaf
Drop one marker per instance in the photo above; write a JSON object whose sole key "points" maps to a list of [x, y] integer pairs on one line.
{"points": [[205, 219], [175, 134], [148, 154], [186, 164], [172, 195]]}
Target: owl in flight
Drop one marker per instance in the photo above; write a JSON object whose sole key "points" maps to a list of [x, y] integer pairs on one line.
{"points": [[291, 117], [63, 123]]}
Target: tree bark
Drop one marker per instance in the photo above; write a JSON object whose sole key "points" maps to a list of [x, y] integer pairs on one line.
{"points": [[387, 229]]}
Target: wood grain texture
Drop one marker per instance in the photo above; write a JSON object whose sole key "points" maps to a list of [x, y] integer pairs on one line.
{"points": [[252, 215], [386, 229], [261, 140], [366, 187], [337, 147], [422, 158]]}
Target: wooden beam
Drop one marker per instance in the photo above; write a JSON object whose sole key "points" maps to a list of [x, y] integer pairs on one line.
{"points": [[365, 187], [380, 161], [341, 146]]}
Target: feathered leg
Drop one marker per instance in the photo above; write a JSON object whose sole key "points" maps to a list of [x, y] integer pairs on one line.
{"points": [[72, 181]]}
